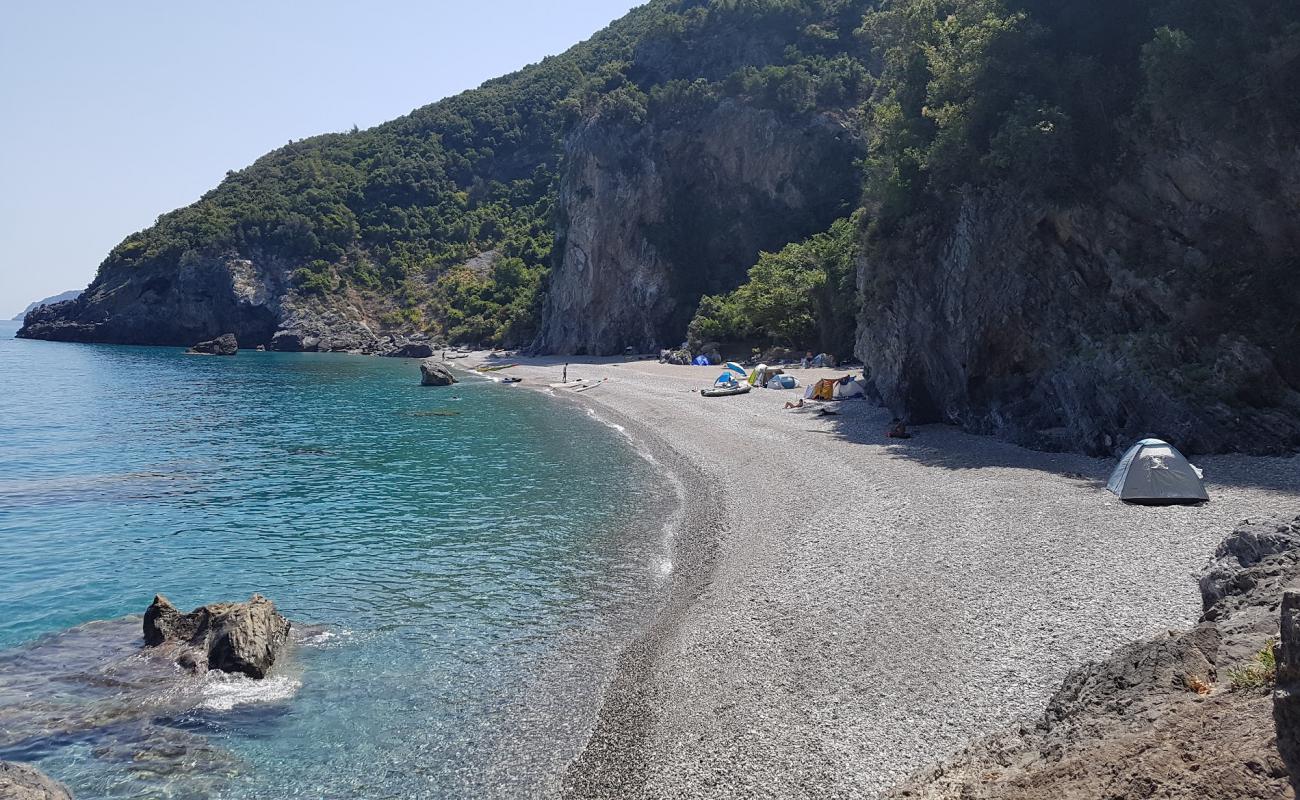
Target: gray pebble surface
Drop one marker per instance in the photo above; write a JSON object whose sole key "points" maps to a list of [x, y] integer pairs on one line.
{"points": [[867, 607]]}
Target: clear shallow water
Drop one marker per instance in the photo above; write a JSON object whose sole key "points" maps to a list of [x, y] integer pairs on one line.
{"points": [[473, 567]]}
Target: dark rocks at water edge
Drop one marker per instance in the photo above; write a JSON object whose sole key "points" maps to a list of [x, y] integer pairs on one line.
{"points": [[223, 345], [231, 637], [435, 373], [1210, 712], [21, 782]]}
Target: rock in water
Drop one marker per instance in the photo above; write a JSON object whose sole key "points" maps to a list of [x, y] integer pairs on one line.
{"points": [[435, 373], [21, 782], [224, 345], [231, 637]]}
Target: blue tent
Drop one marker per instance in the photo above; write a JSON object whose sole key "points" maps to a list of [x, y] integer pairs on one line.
{"points": [[701, 361]]}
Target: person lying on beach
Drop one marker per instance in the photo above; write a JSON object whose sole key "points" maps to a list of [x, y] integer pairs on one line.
{"points": [[798, 404], [898, 430]]}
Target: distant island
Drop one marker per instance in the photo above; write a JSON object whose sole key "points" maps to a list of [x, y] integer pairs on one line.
{"points": [[71, 294]]}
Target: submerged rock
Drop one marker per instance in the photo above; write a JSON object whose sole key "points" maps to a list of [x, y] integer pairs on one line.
{"points": [[231, 637], [435, 373], [224, 345], [23, 782]]}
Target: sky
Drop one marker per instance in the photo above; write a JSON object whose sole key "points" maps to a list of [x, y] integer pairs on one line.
{"points": [[114, 113]]}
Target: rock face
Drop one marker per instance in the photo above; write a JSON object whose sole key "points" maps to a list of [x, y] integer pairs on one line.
{"points": [[224, 345], [21, 782], [231, 637], [411, 350], [175, 304], [1187, 715], [434, 373], [1086, 326], [644, 229]]}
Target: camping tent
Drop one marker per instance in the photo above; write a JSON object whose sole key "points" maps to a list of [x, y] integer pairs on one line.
{"points": [[846, 387], [823, 389], [701, 361], [783, 382], [1154, 472], [763, 374]]}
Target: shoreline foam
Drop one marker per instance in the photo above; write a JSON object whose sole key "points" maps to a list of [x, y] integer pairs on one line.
{"points": [[862, 608]]}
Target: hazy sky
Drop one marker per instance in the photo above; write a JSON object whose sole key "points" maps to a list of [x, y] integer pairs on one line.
{"points": [[114, 113]]}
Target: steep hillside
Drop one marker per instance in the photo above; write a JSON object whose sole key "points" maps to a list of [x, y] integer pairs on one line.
{"points": [[1085, 221], [1069, 224], [444, 222]]}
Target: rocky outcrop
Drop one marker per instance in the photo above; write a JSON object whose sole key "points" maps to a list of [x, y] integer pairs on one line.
{"points": [[231, 637], [22, 782], [434, 373], [1152, 308], [1185, 715], [411, 350], [224, 345], [51, 300], [653, 216], [193, 299]]}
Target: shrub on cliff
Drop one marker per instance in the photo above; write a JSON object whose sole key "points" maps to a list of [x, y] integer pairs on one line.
{"points": [[802, 297]]}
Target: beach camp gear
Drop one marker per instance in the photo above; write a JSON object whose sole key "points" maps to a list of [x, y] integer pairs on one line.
{"points": [[1155, 473], [783, 382], [763, 374], [846, 387], [726, 390], [734, 367], [701, 361], [725, 379], [824, 389]]}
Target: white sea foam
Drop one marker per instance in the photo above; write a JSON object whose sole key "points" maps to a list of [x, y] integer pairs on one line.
{"points": [[664, 566], [223, 691]]}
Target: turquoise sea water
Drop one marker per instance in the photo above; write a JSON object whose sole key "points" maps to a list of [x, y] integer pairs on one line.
{"points": [[461, 572]]}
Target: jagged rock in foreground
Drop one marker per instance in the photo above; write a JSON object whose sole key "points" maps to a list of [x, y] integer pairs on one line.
{"points": [[1184, 715], [21, 782], [435, 373], [231, 637], [224, 345]]}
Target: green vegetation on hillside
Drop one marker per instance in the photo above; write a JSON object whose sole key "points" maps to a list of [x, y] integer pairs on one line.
{"points": [[802, 297], [1038, 95], [392, 212]]}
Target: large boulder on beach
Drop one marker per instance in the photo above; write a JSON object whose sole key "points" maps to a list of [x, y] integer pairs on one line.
{"points": [[223, 345], [22, 782], [411, 350], [435, 373], [231, 637]]}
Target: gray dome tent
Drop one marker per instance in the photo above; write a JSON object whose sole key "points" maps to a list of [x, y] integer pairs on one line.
{"points": [[1154, 472]]}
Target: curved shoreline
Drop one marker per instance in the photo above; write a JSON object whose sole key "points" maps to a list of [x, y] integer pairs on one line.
{"points": [[863, 608], [613, 761]]}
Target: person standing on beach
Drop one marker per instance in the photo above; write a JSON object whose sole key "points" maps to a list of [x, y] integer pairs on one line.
{"points": [[564, 376]]}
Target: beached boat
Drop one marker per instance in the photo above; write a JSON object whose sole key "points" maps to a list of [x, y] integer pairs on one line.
{"points": [[726, 391]]}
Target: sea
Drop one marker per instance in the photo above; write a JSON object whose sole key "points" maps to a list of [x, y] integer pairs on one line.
{"points": [[461, 565]]}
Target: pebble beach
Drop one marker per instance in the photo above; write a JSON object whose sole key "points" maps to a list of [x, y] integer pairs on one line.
{"points": [[847, 609]]}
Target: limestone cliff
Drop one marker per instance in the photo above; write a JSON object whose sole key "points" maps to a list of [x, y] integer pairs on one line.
{"points": [[1156, 307], [653, 216]]}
